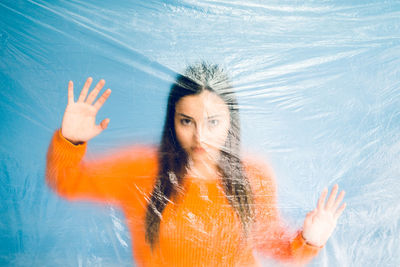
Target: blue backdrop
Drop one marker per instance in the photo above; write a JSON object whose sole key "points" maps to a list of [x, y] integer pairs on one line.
{"points": [[318, 85]]}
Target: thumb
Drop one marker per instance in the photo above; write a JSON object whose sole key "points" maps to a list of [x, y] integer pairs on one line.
{"points": [[102, 126], [104, 123], [309, 217]]}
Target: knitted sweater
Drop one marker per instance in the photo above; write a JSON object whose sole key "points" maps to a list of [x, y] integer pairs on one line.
{"points": [[198, 228]]}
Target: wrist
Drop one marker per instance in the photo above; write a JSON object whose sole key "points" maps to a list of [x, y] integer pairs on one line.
{"points": [[75, 143], [310, 243], [72, 142]]}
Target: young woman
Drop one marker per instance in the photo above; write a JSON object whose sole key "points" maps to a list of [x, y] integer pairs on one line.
{"points": [[193, 201]]}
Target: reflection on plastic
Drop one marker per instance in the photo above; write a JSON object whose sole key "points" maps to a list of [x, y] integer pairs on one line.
{"points": [[317, 89], [205, 205]]}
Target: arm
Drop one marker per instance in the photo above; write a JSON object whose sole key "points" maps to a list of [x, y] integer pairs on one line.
{"points": [[270, 235], [107, 178]]}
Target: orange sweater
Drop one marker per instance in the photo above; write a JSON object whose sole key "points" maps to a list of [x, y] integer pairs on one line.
{"points": [[199, 227]]}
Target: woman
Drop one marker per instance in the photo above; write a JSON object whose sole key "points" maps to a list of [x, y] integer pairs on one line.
{"points": [[193, 201]]}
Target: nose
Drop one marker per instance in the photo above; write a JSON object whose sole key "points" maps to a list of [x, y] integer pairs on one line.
{"points": [[199, 134]]}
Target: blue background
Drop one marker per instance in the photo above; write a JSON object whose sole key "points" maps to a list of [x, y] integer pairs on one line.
{"points": [[318, 86]]}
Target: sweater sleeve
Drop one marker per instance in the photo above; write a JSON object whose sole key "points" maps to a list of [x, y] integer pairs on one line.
{"points": [[107, 178], [270, 234]]}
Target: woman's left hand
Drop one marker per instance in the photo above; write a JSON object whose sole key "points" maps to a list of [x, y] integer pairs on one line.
{"points": [[320, 223]]}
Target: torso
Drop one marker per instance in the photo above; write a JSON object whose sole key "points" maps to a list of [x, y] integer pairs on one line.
{"points": [[199, 226]]}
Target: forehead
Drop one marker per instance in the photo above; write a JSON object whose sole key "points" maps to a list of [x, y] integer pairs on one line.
{"points": [[205, 103]]}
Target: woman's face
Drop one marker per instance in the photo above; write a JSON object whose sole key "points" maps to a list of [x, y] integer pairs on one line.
{"points": [[201, 125]]}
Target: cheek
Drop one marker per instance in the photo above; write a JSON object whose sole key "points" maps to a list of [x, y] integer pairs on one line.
{"points": [[220, 134], [183, 136]]}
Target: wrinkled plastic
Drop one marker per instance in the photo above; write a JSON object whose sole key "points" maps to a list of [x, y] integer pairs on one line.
{"points": [[317, 85]]}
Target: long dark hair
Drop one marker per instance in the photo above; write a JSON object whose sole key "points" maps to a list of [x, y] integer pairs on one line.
{"points": [[173, 159]]}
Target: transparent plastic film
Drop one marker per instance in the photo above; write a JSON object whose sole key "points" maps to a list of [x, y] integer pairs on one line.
{"points": [[199, 133]]}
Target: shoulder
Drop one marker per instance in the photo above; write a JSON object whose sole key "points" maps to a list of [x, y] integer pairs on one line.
{"points": [[138, 163], [260, 174]]}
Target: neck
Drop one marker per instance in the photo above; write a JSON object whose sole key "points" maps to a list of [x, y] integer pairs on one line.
{"points": [[203, 169]]}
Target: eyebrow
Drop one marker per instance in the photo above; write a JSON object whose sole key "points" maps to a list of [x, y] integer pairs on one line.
{"points": [[210, 117]]}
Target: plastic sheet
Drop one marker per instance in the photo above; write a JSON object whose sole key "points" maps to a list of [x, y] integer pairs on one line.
{"points": [[317, 90]]}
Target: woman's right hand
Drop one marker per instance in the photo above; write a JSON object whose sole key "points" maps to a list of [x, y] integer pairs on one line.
{"points": [[79, 121]]}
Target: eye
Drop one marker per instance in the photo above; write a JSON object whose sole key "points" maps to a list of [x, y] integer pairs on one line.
{"points": [[213, 122], [186, 122]]}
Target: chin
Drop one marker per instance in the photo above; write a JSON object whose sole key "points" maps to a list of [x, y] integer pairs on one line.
{"points": [[203, 157]]}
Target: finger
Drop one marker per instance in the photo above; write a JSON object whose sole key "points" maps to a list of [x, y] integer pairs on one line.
{"points": [[339, 211], [338, 200], [332, 197], [70, 92], [99, 103], [92, 96], [321, 200], [85, 89]]}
